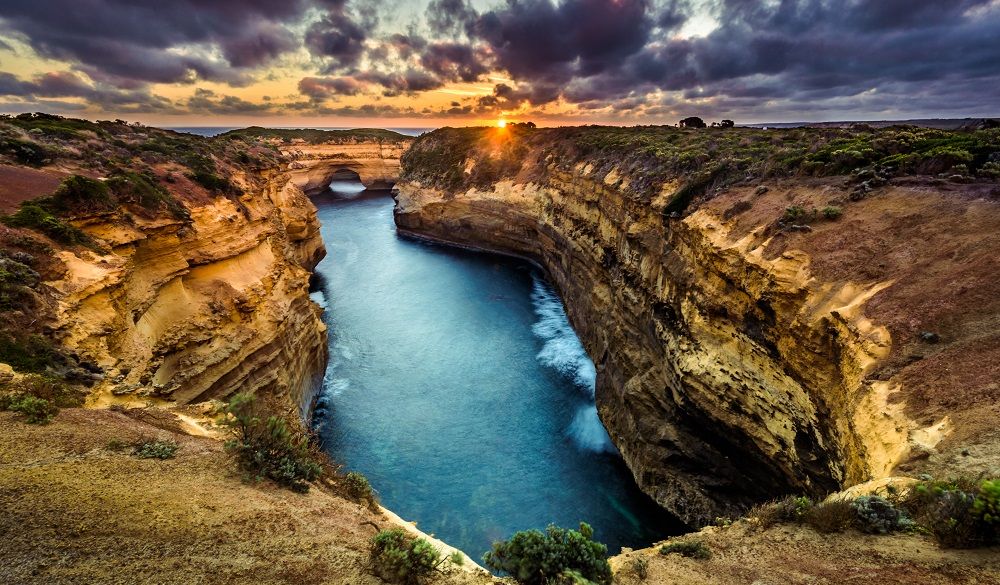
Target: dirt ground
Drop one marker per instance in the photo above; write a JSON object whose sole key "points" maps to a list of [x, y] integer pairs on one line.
{"points": [[19, 184], [77, 508], [795, 555]]}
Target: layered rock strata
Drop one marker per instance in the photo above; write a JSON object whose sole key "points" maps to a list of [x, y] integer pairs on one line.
{"points": [[729, 370]]}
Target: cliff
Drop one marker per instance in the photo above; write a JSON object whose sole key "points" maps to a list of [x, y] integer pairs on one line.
{"points": [[171, 267], [748, 344]]}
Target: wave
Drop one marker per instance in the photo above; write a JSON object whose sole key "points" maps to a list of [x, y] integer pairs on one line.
{"points": [[562, 351]]}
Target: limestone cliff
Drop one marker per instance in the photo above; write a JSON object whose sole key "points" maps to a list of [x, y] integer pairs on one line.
{"points": [[736, 359], [180, 276], [196, 310]]}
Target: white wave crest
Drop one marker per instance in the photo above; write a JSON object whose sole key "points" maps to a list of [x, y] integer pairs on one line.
{"points": [[561, 349]]}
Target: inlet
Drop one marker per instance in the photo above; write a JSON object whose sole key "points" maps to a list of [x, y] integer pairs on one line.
{"points": [[458, 387]]}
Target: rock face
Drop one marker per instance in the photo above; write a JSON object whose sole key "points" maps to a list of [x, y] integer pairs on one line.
{"points": [[315, 165], [730, 370], [190, 311]]}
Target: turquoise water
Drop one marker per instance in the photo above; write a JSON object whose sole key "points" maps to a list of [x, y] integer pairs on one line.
{"points": [[457, 385]]}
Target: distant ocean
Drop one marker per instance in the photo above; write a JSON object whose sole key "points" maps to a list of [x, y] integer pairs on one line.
{"points": [[216, 130]]}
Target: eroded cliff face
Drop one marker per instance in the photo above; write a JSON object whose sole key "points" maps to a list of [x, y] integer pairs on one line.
{"points": [[196, 310], [729, 371], [315, 165]]}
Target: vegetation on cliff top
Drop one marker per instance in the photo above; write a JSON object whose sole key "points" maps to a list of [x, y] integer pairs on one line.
{"points": [[316, 136], [559, 555], [959, 513], [700, 159]]}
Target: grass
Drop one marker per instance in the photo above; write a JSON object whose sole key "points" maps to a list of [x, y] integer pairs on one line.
{"points": [[701, 159], [315, 136], [693, 549], [155, 449]]}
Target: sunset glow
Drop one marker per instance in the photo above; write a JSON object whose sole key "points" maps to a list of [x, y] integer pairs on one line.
{"points": [[426, 63]]}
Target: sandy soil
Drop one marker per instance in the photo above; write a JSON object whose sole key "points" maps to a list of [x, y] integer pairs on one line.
{"points": [[74, 509], [793, 555]]}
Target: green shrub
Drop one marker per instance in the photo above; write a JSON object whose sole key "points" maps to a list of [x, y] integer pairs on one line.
{"points": [[32, 353], [357, 486], [134, 188], [877, 515], [35, 410], [960, 513], [832, 212], [79, 194], [987, 504], [32, 215], [156, 449], [788, 509], [39, 397], [694, 549], [990, 170], [534, 558], [266, 446], [795, 213], [396, 557]]}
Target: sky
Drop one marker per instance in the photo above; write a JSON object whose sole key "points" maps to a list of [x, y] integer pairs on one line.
{"points": [[422, 63]]}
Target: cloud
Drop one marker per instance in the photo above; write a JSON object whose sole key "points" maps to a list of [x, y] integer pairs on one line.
{"points": [[167, 42], [67, 84], [320, 88], [338, 37]]}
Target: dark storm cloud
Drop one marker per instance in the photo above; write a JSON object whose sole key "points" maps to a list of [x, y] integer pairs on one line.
{"points": [[126, 42], [538, 40], [208, 102], [320, 88], [454, 61], [339, 37], [66, 84]]}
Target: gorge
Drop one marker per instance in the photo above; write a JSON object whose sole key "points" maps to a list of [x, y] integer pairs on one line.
{"points": [[745, 345]]}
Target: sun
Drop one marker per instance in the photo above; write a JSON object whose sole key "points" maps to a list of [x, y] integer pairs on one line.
{"points": [[501, 123]]}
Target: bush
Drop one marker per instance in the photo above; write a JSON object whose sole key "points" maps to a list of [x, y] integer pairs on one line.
{"points": [[156, 449], [357, 486], [959, 513], [32, 215], [79, 194], [640, 568], [265, 446], [877, 515], [32, 353], [987, 504], [39, 397], [694, 549], [535, 558], [795, 213], [832, 212], [137, 189], [35, 410], [832, 516], [398, 558]]}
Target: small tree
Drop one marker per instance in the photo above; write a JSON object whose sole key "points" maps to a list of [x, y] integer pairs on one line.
{"points": [[398, 558], [268, 447], [693, 122], [536, 558], [727, 124]]}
